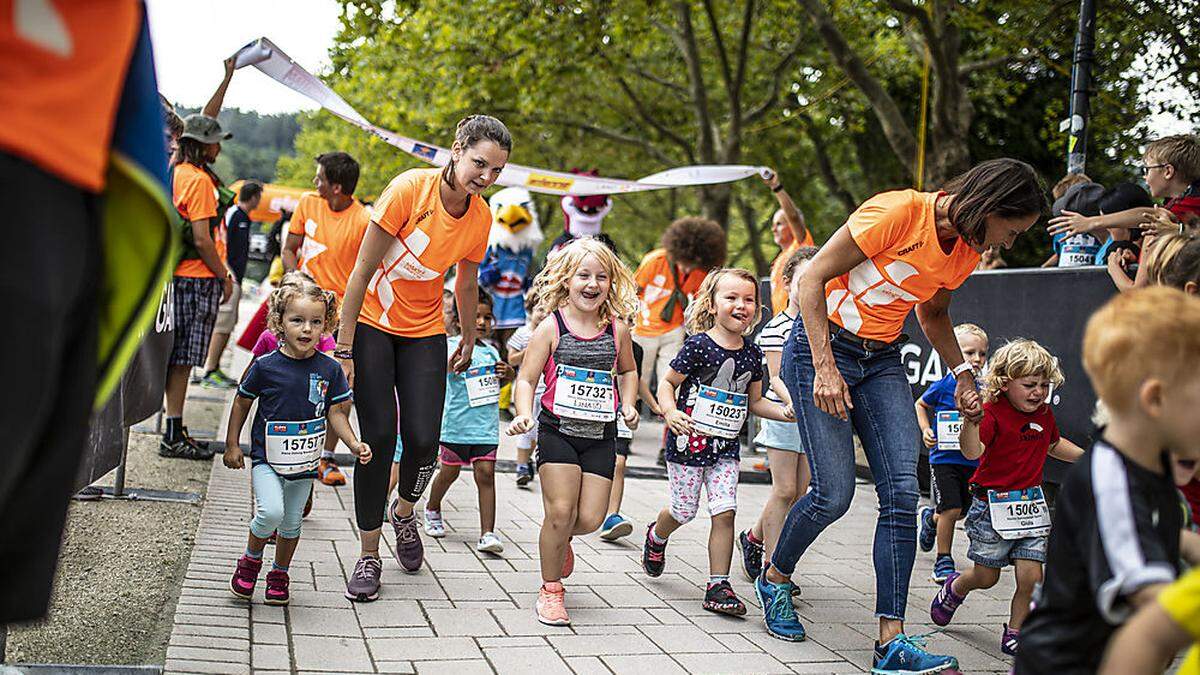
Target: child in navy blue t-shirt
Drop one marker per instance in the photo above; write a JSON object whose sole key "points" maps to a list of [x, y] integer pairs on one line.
{"points": [[298, 390], [950, 472]]}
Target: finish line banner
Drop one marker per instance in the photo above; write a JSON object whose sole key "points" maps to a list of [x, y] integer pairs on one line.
{"points": [[265, 56]]}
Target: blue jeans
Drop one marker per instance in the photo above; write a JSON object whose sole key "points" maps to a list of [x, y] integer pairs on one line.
{"points": [[278, 502], [884, 419]]}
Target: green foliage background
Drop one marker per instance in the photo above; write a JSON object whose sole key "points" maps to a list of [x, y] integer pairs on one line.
{"points": [[609, 85]]}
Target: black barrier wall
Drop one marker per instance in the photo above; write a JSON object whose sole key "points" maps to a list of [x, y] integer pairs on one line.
{"points": [[1050, 306]]}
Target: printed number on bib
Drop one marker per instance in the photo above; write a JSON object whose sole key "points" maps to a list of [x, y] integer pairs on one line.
{"points": [[1077, 256], [949, 424], [295, 447], [718, 412], [1018, 514], [483, 386], [584, 394]]}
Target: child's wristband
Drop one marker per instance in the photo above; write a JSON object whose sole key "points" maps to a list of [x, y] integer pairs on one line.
{"points": [[962, 368]]}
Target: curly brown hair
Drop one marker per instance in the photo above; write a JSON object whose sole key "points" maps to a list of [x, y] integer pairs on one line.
{"points": [[694, 241], [295, 285]]}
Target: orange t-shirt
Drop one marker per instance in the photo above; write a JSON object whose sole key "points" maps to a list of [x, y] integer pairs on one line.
{"points": [[331, 239], [404, 296], [779, 292], [905, 265], [195, 196], [655, 280], [63, 69]]}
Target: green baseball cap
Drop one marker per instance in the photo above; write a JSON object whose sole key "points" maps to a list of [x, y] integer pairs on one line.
{"points": [[204, 129]]}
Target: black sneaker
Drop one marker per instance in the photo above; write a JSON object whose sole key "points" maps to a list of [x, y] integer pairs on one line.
{"points": [[184, 448], [654, 556], [721, 599], [752, 556], [524, 475]]}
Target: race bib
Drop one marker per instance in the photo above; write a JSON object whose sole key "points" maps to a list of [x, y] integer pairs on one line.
{"points": [[295, 447], [483, 386], [949, 424], [1018, 514], [718, 413], [1077, 256], [584, 394]]}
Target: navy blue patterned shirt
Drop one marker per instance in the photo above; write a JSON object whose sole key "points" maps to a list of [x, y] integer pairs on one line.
{"points": [[703, 362]]}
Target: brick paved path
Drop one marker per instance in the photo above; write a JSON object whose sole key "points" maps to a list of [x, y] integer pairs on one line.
{"points": [[467, 612]]}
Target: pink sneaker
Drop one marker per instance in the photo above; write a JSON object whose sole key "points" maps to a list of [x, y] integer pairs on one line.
{"points": [[244, 577], [550, 608], [277, 588], [568, 561]]}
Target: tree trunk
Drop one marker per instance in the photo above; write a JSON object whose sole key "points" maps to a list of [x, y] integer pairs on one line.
{"points": [[762, 266]]}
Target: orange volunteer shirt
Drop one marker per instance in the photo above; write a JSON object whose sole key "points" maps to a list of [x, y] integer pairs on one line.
{"points": [[63, 76], [779, 292], [654, 278], [195, 197], [331, 239], [404, 297], [905, 265]]}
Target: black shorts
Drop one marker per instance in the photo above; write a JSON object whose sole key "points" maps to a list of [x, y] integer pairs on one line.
{"points": [[594, 456], [950, 486], [623, 446]]}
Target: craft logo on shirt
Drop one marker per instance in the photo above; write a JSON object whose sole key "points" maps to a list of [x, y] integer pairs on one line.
{"points": [[424, 214], [424, 151], [909, 249], [1031, 431]]}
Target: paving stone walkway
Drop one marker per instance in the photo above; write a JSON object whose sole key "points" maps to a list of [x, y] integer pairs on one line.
{"points": [[467, 612]]}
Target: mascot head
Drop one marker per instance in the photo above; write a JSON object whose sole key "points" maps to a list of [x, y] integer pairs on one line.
{"points": [[584, 216], [514, 220]]}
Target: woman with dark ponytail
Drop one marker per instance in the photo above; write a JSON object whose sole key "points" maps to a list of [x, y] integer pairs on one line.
{"points": [[899, 251], [392, 342]]}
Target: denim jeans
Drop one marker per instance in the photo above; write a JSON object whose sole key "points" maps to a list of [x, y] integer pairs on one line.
{"points": [[884, 419]]}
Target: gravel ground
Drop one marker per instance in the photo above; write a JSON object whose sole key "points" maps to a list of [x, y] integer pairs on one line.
{"points": [[122, 563]]}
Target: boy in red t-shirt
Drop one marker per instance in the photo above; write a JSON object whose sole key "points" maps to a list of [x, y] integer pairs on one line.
{"points": [[1008, 522]]}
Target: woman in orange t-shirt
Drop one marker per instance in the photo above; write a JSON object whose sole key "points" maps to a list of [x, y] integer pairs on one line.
{"points": [[392, 341], [790, 233], [899, 250]]}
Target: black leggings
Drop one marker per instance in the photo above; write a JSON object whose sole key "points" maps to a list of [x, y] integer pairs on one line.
{"points": [[390, 369]]}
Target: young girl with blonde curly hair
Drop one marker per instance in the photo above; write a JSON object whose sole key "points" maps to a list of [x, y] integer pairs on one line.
{"points": [[705, 394], [582, 349], [1008, 522], [299, 392]]}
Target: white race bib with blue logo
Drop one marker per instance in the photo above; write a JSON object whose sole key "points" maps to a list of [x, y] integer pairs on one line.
{"points": [[295, 447], [1018, 514], [483, 386], [718, 413], [949, 424], [584, 394]]}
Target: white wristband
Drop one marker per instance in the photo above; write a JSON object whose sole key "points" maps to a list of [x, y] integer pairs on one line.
{"points": [[962, 368]]}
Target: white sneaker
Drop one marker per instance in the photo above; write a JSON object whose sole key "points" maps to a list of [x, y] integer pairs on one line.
{"points": [[489, 543], [434, 526]]}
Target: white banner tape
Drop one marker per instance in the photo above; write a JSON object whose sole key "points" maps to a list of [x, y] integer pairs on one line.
{"points": [[265, 56]]}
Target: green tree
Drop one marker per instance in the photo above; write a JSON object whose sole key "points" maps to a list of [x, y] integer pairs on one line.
{"points": [[827, 93]]}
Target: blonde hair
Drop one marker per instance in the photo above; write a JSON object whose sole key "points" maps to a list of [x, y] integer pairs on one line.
{"points": [[970, 329], [293, 286], [1181, 151], [1159, 254], [703, 310], [1061, 187], [553, 282], [1151, 332], [1016, 359]]}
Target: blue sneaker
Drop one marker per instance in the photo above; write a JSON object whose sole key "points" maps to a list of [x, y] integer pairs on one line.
{"points": [[906, 655], [927, 529], [943, 567], [615, 526], [778, 613]]}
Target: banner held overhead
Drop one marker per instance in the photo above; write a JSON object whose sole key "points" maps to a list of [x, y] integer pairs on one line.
{"points": [[275, 64]]}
